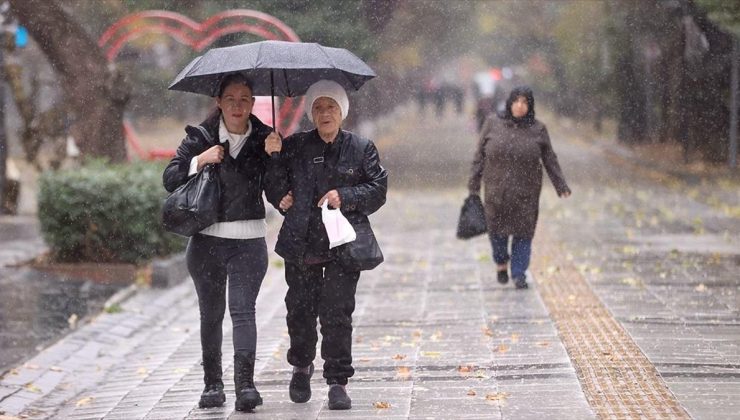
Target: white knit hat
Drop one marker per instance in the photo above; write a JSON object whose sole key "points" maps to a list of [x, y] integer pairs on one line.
{"points": [[328, 89]]}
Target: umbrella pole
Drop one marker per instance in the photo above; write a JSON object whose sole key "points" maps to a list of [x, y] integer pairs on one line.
{"points": [[272, 92], [274, 155]]}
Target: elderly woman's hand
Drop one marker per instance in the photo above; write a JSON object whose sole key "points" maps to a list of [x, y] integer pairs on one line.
{"points": [[273, 143], [333, 198]]}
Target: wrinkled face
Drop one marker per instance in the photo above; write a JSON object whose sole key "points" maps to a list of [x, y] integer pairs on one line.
{"points": [[236, 105], [520, 107], [326, 115]]}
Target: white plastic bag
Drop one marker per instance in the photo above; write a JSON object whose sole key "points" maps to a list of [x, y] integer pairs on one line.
{"points": [[338, 228]]}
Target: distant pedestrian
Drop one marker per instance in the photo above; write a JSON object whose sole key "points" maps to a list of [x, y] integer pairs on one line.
{"points": [[326, 164], [234, 248], [511, 152]]}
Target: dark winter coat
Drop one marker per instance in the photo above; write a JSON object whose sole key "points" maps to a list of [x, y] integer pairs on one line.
{"points": [[242, 179], [308, 170], [509, 161]]}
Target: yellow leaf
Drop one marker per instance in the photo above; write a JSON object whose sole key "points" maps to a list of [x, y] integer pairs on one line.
{"points": [[381, 404], [487, 331], [471, 392], [33, 388], [433, 354], [503, 348], [84, 401], [515, 338], [142, 371]]}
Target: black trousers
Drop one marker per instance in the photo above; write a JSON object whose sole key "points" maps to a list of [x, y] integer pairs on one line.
{"points": [[326, 291], [211, 261]]}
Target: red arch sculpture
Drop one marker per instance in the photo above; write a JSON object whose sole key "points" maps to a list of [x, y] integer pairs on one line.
{"points": [[198, 36]]}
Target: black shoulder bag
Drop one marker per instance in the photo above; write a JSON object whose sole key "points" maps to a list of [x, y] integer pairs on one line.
{"points": [[194, 205]]}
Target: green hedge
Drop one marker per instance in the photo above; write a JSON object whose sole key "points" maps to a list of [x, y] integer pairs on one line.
{"points": [[105, 213]]}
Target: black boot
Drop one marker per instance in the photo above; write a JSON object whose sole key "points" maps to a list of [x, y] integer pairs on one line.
{"points": [[247, 396], [300, 385], [213, 394], [338, 398]]}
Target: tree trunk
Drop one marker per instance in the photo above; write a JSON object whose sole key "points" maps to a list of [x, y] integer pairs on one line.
{"points": [[96, 92]]}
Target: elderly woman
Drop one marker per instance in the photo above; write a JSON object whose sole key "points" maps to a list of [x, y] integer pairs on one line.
{"points": [[232, 251], [511, 152], [339, 167]]}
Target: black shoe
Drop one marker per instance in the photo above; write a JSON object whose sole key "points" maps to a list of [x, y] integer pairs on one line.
{"points": [[521, 283], [338, 398], [300, 386], [247, 396], [502, 276], [212, 396]]}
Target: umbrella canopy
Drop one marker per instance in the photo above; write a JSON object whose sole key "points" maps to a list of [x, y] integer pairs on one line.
{"points": [[275, 68]]}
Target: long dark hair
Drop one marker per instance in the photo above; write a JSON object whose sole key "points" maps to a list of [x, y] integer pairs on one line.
{"points": [[228, 80], [528, 119]]}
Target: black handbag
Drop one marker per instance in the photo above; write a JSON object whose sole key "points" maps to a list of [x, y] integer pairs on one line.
{"points": [[472, 220], [194, 205], [363, 253]]}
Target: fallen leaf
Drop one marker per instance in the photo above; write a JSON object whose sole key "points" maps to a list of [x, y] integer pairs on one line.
{"points": [[142, 371], [471, 392], [33, 388], [487, 331], [433, 354], [55, 369], [436, 336], [84, 401], [381, 404], [465, 368], [30, 366], [630, 250], [503, 348], [399, 357], [498, 396], [701, 288], [403, 372], [515, 338], [543, 344]]}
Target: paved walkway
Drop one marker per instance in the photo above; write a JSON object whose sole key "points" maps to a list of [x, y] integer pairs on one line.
{"points": [[437, 337]]}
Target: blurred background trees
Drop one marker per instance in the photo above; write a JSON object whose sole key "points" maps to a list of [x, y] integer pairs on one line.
{"points": [[660, 69]]}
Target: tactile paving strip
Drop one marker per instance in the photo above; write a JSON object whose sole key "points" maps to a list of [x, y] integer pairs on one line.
{"points": [[617, 378]]}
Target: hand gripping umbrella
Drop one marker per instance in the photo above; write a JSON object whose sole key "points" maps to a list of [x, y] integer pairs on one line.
{"points": [[274, 67]]}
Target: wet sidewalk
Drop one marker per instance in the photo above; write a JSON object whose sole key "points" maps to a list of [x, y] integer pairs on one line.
{"points": [[435, 336], [632, 311]]}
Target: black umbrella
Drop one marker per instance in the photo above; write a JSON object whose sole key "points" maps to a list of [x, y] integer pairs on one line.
{"points": [[275, 68]]}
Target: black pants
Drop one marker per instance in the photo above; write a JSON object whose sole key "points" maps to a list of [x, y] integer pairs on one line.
{"points": [[210, 261], [326, 291]]}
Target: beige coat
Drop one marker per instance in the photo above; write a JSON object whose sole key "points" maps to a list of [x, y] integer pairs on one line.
{"points": [[509, 161]]}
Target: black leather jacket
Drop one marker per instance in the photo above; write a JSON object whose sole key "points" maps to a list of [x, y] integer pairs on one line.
{"points": [[242, 179], [356, 174]]}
